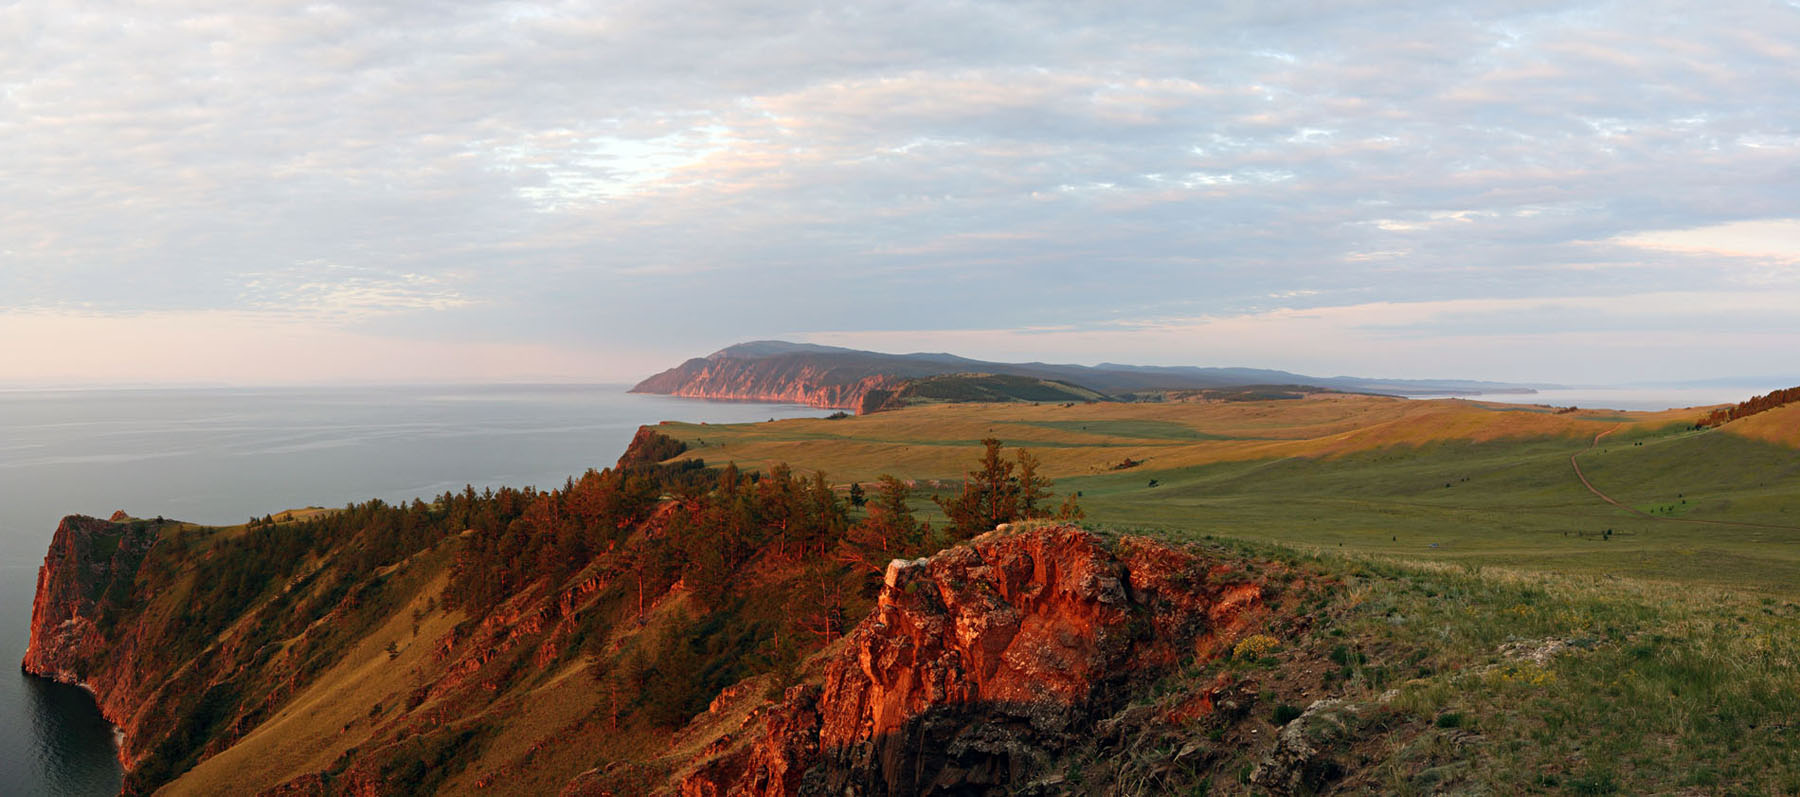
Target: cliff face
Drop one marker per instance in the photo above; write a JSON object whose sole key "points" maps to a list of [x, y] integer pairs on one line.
{"points": [[794, 379], [83, 586], [981, 665], [980, 670], [419, 649]]}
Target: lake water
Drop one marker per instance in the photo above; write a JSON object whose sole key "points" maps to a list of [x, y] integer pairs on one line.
{"points": [[222, 456], [1628, 398]]}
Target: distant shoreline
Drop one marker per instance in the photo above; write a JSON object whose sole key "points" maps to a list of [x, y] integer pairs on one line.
{"points": [[1618, 398]]}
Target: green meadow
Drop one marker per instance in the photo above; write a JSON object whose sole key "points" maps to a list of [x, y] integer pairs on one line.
{"points": [[1487, 485], [1510, 504], [1489, 625]]}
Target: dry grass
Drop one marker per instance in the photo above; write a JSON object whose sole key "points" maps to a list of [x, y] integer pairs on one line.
{"points": [[1780, 426], [333, 714], [937, 441]]}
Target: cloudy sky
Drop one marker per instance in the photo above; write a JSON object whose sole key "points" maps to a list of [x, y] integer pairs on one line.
{"points": [[282, 191]]}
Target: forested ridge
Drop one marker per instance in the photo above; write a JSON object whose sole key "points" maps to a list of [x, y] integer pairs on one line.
{"points": [[768, 566]]}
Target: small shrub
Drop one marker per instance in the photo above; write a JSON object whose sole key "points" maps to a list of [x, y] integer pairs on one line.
{"points": [[1594, 783], [1285, 714], [1449, 719], [1255, 646]]}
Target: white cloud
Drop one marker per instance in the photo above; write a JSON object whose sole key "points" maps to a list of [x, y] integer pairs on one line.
{"points": [[675, 175], [1777, 239], [329, 293], [1581, 340]]}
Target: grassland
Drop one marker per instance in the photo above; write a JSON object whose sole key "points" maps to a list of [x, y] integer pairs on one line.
{"points": [[1460, 481], [950, 388], [1497, 628], [1457, 679]]}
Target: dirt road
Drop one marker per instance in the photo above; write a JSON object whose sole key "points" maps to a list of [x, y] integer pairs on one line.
{"points": [[1575, 462]]}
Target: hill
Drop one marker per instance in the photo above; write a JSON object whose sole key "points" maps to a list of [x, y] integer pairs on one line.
{"points": [[1780, 425], [829, 376], [1328, 594]]}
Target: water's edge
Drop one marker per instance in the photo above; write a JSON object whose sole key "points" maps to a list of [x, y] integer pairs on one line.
{"points": [[220, 456]]}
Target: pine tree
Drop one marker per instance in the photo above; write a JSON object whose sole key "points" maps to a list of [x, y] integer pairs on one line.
{"points": [[994, 495]]}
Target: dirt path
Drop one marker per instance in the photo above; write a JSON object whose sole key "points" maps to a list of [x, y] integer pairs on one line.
{"points": [[1575, 462]]}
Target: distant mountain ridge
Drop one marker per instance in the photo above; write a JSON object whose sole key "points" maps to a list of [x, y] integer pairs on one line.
{"points": [[837, 377]]}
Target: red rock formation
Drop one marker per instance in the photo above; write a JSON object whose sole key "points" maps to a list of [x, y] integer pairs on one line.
{"points": [[783, 744], [87, 557], [980, 664], [789, 379]]}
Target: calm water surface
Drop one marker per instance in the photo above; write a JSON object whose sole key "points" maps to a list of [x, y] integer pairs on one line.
{"points": [[222, 456]]}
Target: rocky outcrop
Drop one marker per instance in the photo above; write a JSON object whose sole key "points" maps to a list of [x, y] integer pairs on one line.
{"points": [[1299, 763], [87, 577], [981, 664], [783, 742]]}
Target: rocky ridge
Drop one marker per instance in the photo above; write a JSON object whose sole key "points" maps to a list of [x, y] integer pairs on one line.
{"points": [[980, 666]]}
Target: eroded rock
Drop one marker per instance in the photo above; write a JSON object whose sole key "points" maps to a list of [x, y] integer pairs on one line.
{"points": [[982, 663]]}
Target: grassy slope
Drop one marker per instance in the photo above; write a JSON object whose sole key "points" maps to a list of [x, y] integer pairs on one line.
{"points": [[323, 721], [1644, 689], [935, 441], [1362, 473], [1457, 529], [541, 728], [988, 387], [1780, 425]]}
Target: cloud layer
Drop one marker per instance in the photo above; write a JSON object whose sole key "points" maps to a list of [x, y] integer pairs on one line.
{"points": [[607, 184]]}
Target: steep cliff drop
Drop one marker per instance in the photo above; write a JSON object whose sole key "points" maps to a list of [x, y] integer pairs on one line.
{"points": [[775, 379], [86, 579], [980, 667]]}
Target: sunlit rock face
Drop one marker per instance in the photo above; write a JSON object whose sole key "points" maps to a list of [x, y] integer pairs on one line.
{"points": [[91, 561], [789, 379], [980, 664]]}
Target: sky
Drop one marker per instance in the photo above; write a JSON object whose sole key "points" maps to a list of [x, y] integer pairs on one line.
{"points": [[272, 192]]}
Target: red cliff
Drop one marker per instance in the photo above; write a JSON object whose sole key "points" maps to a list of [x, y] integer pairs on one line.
{"points": [[86, 579], [791, 379], [981, 664]]}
